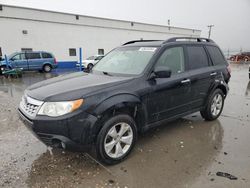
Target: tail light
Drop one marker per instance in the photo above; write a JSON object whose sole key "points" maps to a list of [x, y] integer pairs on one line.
{"points": [[229, 69], [55, 62]]}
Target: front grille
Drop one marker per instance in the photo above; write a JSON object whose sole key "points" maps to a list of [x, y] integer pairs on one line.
{"points": [[30, 106]]}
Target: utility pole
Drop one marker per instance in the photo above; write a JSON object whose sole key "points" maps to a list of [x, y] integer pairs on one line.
{"points": [[210, 28], [168, 22]]}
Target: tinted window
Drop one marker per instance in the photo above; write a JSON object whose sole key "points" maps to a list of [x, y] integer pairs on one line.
{"points": [[173, 59], [216, 55], [197, 57], [33, 55], [46, 55]]}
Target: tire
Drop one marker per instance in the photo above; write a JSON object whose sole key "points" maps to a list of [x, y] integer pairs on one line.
{"points": [[90, 66], [109, 140], [47, 68], [214, 105], [246, 59]]}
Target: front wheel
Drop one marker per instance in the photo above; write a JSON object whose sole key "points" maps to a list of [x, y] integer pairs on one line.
{"points": [[214, 105], [116, 139], [90, 66]]}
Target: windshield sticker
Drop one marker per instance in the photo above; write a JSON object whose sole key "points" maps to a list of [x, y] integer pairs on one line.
{"points": [[147, 49]]}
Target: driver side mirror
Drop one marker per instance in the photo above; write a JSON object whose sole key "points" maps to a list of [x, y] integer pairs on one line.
{"points": [[161, 72]]}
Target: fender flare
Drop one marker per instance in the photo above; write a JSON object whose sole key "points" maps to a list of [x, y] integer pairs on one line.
{"points": [[217, 85], [119, 101]]}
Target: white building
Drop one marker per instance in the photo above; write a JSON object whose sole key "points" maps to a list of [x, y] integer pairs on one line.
{"points": [[63, 33]]}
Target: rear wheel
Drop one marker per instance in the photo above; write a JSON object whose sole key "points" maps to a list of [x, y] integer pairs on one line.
{"points": [[116, 139], [214, 105], [47, 68]]}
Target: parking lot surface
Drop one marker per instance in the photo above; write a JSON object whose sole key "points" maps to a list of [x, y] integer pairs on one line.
{"points": [[188, 152]]}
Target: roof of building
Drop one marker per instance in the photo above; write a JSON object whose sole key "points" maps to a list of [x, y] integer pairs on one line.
{"points": [[135, 22]]}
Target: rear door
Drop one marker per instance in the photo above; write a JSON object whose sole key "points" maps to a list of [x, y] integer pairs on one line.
{"points": [[202, 74], [19, 61], [35, 62], [219, 62], [48, 58]]}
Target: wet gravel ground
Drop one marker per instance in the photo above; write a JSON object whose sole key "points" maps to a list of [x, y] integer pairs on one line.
{"points": [[185, 153]]}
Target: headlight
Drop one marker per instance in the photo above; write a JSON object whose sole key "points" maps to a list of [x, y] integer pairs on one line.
{"points": [[55, 109]]}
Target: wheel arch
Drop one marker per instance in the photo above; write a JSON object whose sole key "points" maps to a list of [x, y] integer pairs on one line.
{"points": [[217, 85], [47, 63], [120, 104], [223, 88]]}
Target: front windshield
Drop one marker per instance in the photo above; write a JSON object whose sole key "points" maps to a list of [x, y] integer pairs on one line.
{"points": [[91, 58], [11, 55], [126, 60]]}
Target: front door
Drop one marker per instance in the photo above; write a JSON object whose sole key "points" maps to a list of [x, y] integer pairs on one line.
{"points": [[19, 61], [170, 97]]}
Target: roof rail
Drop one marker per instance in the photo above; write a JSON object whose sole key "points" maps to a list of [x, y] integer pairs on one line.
{"points": [[134, 41], [197, 39]]}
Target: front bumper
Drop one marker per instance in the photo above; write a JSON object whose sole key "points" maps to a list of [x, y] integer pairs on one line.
{"points": [[74, 131]]}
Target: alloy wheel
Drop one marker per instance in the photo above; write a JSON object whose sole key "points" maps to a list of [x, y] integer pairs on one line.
{"points": [[217, 103], [118, 140]]}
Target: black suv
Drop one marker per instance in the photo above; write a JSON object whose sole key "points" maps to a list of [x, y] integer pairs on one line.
{"points": [[133, 88]]}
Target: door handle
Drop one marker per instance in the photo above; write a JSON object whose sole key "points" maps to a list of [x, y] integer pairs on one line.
{"points": [[213, 74], [185, 81]]}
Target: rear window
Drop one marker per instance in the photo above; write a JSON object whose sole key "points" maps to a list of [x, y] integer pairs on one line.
{"points": [[46, 55], [216, 55], [197, 57], [33, 55]]}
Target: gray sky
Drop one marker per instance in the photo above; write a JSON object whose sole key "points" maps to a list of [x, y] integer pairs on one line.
{"points": [[230, 17]]}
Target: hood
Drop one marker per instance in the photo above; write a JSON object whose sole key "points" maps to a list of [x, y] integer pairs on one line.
{"points": [[72, 86]]}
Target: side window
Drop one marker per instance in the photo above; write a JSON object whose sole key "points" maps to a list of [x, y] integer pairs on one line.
{"points": [[16, 57], [197, 57], [216, 55], [46, 55], [173, 59], [22, 56], [33, 55]]}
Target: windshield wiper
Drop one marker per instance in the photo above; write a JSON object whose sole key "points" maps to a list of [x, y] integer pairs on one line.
{"points": [[106, 73]]}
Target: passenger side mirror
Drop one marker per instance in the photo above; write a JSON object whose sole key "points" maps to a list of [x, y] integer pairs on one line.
{"points": [[162, 72]]}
